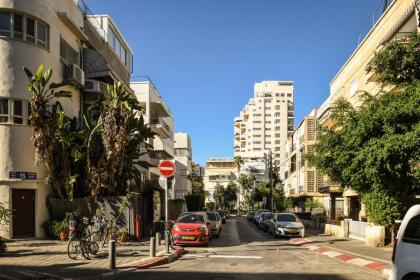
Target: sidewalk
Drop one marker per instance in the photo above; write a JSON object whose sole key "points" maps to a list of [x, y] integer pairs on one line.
{"points": [[351, 251], [353, 247], [49, 258]]}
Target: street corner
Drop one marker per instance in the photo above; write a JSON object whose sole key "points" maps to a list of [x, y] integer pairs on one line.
{"points": [[177, 253]]}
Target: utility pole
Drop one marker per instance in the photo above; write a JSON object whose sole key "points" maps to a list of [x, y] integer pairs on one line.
{"points": [[270, 174]]}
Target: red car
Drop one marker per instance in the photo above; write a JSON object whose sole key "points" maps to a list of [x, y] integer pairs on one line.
{"points": [[191, 228]]}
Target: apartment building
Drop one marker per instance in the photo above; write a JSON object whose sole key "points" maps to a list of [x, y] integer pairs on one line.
{"points": [[300, 180], [266, 120], [61, 35], [400, 19], [218, 171], [156, 114], [183, 163]]}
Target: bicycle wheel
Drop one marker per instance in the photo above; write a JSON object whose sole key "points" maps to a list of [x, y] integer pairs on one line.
{"points": [[85, 249], [93, 247], [73, 247]]}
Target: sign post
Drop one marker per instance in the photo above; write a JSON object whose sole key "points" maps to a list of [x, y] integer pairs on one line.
{"points": [[167, 169]]}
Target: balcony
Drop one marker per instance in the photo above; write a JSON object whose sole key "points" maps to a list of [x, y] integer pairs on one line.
{"points": [[159, 126]]}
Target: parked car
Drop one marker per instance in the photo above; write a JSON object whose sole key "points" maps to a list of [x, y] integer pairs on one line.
{"points": [[266, 217], [406, 253], [222, 215], [258, 214], [250, 216], [261, 218], [192, 228], [286, 224], [215, 223]]}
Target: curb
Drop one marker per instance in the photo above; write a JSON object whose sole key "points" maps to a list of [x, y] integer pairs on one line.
{"points": [[376, 266], [163, 259]]}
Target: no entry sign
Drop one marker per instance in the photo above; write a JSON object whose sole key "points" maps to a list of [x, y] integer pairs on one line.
{"points": [[166, 168]]}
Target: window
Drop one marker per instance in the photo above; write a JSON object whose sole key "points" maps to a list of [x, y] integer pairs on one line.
{"points": [[412, 231], [277, 121], [4, 110], [67, 54], [24, 28], [118, 46], [277, 107], [289, 95], [5, 24], [277, 134], [18, 27], [282, 95], [30, 30], [41, 34], [277, 128], [14, 111], [277, 114], [18, 111], [353, 88]]}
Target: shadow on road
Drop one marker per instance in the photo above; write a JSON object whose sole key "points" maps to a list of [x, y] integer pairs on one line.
{"points": [[151, 275]]}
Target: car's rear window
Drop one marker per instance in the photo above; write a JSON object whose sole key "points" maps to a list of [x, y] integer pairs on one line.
{"points": [[191, 219], [212, 216], [412, 231], [286, 218]]}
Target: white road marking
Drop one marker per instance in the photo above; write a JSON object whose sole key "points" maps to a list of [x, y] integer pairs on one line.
{"points": [[332, 254], [235, 257]]}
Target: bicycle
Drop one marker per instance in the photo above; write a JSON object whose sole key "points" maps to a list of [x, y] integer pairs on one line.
{"points": [[81, 240]]}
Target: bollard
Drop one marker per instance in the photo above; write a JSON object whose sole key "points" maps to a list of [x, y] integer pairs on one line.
{"points": [[111, 254], [157, 239], [152, 247]]}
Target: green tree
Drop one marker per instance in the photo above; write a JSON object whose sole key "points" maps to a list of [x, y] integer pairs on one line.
{"points": [[230, 193], [375, 149], [399, 63], [44, 127], [247, 183], [116, 144]]}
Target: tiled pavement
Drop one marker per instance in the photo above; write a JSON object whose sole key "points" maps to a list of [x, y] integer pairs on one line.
{"points": [[44, 259], [361, 257]]}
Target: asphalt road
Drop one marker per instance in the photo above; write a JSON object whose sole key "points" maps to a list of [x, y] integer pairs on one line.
{"points": [[244, 252]]}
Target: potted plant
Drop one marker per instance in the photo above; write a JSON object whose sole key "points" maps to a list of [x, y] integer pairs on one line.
{"points": [[122, 235], [61, 230]]}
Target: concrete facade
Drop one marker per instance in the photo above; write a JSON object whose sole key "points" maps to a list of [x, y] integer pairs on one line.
{"points": [[156, 114], [183, 163], [40, 32], [299, 179], [218, 171]]}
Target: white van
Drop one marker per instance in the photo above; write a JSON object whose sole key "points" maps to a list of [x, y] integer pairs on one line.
{"points": [[406, 254]]}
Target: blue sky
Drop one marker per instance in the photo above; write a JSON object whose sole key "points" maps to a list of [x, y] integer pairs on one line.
{"points": [[204, 56]]}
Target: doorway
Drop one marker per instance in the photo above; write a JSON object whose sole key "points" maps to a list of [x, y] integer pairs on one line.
{"points": [[23, 205]]}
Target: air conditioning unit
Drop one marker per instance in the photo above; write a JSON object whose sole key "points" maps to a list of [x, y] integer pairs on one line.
{"points": [[95, 86], [74, 75]]}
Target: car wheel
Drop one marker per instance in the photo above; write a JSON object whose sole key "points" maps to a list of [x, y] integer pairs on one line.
{"points": [[413, 277]]}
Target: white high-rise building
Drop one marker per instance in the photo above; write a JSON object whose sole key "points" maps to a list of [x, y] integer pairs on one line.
{"points": [[183, 156], [266, 121]]}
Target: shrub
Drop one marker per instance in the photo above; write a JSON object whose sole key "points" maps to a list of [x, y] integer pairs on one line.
{"points": [[49, 229]]}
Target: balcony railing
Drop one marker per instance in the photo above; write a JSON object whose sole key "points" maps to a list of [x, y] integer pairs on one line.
{"points": [[159, 121]]}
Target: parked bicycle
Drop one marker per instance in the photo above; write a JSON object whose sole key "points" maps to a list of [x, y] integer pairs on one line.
{"points": [[81, 239]]}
